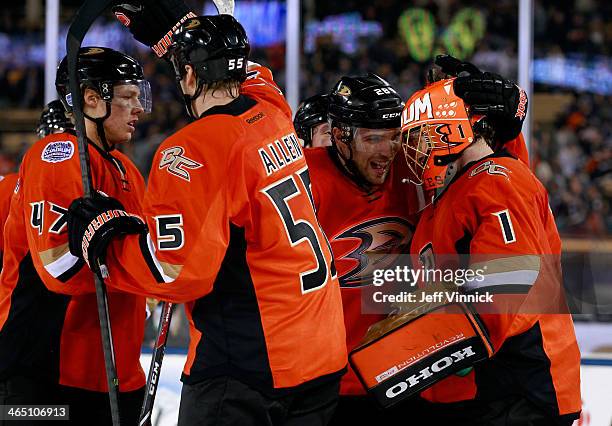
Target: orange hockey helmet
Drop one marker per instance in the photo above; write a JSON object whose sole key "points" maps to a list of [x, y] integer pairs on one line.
{"points": [[436, 128]]}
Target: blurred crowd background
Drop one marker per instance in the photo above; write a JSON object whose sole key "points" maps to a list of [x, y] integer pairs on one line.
{"points": [[572, 116]]}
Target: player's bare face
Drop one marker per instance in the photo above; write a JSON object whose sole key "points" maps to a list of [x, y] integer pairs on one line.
{"points": [[321, 135], [374, 151], [126, 108]]}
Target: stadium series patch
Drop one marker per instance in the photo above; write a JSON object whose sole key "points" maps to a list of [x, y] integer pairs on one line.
{"points": [[56, 152]]}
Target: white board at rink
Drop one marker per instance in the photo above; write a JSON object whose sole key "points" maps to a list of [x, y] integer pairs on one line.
{"points": [[596, 374]]}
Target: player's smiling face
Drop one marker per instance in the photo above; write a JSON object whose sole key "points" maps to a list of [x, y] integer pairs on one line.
{"points": [[374, 151]]}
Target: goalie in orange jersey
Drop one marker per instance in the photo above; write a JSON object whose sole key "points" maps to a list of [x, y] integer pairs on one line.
{"points": [[489, 212]]}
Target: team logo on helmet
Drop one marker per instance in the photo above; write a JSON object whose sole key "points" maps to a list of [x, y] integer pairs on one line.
{"points": [[92, 51], [344, 90], [176, 163], [194, 23]]}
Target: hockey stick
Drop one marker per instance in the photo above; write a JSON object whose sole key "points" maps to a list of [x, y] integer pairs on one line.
{"points": [[156, 363], [85, 16]]}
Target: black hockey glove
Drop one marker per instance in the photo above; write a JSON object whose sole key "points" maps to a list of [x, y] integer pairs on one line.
{"points": [[152, 22], [93, 223], [500, 100]]}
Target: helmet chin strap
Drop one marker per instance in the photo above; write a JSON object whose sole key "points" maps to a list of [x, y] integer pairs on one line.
{"points": [[100, 127], [190, 99]]}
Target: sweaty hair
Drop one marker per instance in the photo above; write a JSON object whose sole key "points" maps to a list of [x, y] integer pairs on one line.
{"points": [[230, 86]]}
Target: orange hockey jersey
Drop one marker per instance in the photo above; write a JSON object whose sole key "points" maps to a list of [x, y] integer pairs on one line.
{"points": [[233, 229], [7, 188], [495, 214], [366, 232], [49, 326], [518, 149]]}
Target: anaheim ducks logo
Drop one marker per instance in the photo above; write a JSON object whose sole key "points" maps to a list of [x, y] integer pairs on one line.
{"points": [[93, 51], [380, 243], [194, 23], [344, 90], [177, 164]]}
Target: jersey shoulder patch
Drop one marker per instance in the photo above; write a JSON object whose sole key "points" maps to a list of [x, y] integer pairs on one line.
{"points": [[491, 167], [57, 151], [174, 160]]}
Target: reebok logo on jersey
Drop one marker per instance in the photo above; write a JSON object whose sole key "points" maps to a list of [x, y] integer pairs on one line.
{"points": [[176, 163], [255, 118], [56, 152]]}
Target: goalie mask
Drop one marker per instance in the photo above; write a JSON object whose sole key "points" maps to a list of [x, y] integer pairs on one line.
{"points": [[53, 120], [216, 47], [101, 69], [364, 117], [436, 128]]}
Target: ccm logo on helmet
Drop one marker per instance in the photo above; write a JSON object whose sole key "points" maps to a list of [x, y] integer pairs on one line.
{"points": [[391, 115], [426, 373], [418, 107]]}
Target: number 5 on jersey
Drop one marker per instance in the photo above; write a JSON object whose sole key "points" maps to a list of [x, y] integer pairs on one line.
{"points": [[300, 230]]}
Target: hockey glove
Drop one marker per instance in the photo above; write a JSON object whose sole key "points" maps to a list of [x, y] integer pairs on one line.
{"points": [[93, 223], [500, 100], [152, 22]]}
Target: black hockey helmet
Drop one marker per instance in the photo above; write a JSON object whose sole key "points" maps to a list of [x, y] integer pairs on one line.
{"points": [[365, 101], [101, 68], [362, 102], [53, 120], [311, 113], [216, 46]]}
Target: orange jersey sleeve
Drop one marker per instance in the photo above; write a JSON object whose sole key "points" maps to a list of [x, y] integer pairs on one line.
{"points": [[260, 84], [50, 180], [7, 189]]}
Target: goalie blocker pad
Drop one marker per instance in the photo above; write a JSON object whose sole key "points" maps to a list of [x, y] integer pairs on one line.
{"points": [[412, 352]]}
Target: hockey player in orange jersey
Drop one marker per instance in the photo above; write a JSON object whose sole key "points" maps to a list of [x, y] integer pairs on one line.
{"points": [[53, 119], [50, 347], [7, 188], [232, 231], [362, 205], [366, 211], [489, 212]]}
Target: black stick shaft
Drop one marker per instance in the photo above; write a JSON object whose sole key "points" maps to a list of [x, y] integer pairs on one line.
{"points": [[86, 15], [156, 363]]}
